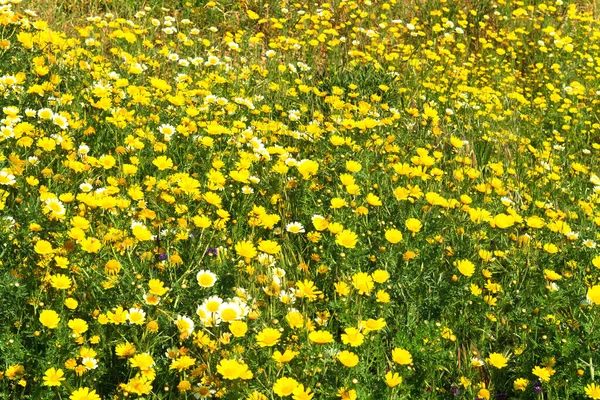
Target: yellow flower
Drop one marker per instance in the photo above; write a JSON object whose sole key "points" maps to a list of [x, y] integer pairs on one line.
{"points": [[337, 202], [502, 221], [373, 325], [245, 249], [163, 163], [269, 247], [238, 328], [393, 236], [78, 325], [542, 373], [552, 275], [157, 287], [550, 248], [182, 363], [53, 377], [320, 337], [320, 223], [71, 303], [373, 200], [60, 281], [268, 337], [393, 379], [383, 296], [353, 337], [535, 222], [141, 233], [84, 393], [347, 239], [466, 267], [342, 289], [380, 275], [284, 386], [593, 294], [295, 319], [91, 245], [15, 371], [143, 361], [302, 394], [521, 384], [413, 225], [348, 358], [307, 168], [287, 356], [49, 318], [363, 283], [593, 391], [307, 289], [483, 394], [353, 166], [43, 247], [401, 356], [497, 360]]}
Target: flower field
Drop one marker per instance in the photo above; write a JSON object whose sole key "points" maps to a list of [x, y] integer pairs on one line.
{"points": [[354, 199]]}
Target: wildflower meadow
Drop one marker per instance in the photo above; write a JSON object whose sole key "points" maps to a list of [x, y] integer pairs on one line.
{"points": [[258, 199]]}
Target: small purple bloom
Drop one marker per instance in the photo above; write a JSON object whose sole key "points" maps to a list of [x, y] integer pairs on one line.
{"points": [[455, 391], [162, 256]]}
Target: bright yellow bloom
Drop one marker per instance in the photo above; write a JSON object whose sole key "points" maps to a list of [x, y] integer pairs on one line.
{"points": [[157, 287], [347, 239], [287, 356], [141, 233], [43, 247], [521, 384], [163, 163], [348, 358], [245, 249], [320, 337], [182, 363], [238, 328], [268, 337], [363, 283], [353, 166], [542, 373], [401, 356], [593, 391], [413, 225], [497, 360], [60, 281], [593, 294], [393, 236], [269, 247], [353, 337], [284, 386], [380, 275], [78, 325], [49, 318], [53, 377], [84, 393], [233, 369], [393, 379], [465, 267]]}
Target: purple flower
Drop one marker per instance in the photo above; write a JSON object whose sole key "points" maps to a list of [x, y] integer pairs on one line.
{"points": [[455, 391], [212, 251]]}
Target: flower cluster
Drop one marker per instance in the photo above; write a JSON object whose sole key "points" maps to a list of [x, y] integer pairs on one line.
{"points": [[356, 199]]}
